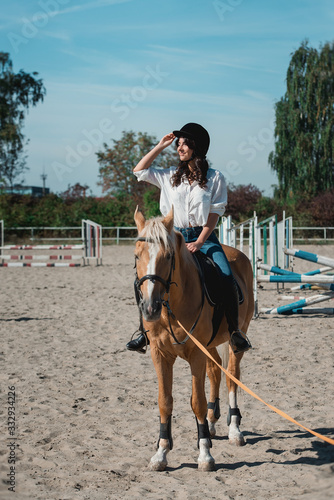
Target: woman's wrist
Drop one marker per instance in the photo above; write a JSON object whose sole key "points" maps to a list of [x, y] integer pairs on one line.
{"points": [[159, 147], [206, 231], [200, 241]]}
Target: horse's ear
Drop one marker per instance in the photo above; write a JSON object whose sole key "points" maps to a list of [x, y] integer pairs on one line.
{"points": [[139, 219], [169, 220]]}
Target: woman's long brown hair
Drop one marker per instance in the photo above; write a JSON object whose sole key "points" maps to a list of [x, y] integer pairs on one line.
{"points": [[200, 169]]}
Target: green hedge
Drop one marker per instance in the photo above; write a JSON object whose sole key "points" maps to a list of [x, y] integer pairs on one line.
{"points": [[53, 210]]}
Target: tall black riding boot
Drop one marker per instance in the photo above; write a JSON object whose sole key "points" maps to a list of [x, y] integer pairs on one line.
{"points": [[238, 340], [138, 344], [141, 342]]}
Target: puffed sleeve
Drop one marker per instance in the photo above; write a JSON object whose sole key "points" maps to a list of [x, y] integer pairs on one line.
{"points": [[219, 195], [151, 175]]}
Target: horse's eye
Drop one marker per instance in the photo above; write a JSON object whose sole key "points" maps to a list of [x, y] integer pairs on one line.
{"points": [[168, 256]]}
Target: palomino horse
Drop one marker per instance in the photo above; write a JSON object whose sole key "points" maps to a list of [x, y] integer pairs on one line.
{"points": [[168, 288]]}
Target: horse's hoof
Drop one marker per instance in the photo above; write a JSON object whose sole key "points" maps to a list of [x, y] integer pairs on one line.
{"points": [[212, 429], [237, 440], [157, 466], [207, 466]]}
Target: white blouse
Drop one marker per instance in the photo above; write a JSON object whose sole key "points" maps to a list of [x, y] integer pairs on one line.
{"points": [[192, 204]]}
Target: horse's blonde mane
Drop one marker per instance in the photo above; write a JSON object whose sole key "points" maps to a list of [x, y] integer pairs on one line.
{"points": [[156, 231]]}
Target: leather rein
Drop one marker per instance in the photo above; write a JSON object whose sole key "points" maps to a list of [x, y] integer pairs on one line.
{"points": [[167, 284]]}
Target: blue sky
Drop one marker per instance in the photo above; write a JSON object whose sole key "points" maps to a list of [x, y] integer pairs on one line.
{"points": [[149, 66]]}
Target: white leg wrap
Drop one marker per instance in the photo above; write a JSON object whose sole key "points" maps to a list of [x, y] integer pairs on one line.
{"points": [[205, 460], [159, 460], [235, 436]]}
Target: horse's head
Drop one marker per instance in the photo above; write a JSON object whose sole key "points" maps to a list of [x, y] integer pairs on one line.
{"points": [[154, 253]]}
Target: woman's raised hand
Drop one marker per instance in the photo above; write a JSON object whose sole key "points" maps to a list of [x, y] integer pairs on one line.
{"points": [[166, 140]]}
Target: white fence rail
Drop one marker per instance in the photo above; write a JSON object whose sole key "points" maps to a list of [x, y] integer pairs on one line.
{"points": [[324, 230], [129, 233]]}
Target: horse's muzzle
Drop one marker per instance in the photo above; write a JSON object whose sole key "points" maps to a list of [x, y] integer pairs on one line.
{"points": [[151, 309]]}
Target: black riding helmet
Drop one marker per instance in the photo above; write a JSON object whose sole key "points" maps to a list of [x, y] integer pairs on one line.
{"points": [[198, 134]]}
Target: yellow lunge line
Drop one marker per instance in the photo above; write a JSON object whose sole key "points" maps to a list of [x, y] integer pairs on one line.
{"points": [[245, 388]]}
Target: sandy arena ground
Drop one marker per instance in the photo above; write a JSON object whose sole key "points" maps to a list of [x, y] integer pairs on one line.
{"points": [[86, 408]]}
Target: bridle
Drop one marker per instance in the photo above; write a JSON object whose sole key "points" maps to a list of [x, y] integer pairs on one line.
{"points": [[155, 277], [167, 284]]}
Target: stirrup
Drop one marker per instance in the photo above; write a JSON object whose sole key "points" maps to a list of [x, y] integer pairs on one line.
{"points": [[239, 342], [133, 347]]}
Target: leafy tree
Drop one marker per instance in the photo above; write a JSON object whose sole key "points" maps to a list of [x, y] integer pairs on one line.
{"points": [[118, 161], [304, 133], [242, 201], [74, 192], [18, 91], [151, 202], [322, 209], [265, 207]]}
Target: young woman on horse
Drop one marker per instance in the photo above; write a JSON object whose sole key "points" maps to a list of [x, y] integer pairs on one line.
{"points": [[199, 196]]}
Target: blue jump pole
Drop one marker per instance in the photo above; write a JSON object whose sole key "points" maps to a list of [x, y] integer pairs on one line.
{"points": [[296, 278], [313, 310], [289, 308], [279, 270], [323, 285], [276, 270], [311, 257]]}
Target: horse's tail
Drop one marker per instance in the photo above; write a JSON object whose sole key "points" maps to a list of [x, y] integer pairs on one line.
{"points": [[225, 357], [225, 354]]}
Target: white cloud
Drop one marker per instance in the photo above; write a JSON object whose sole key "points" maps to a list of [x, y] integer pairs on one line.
{"points": [[261, 96], [58, 35], [106, 65], [91, 5], [172, 50]]}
